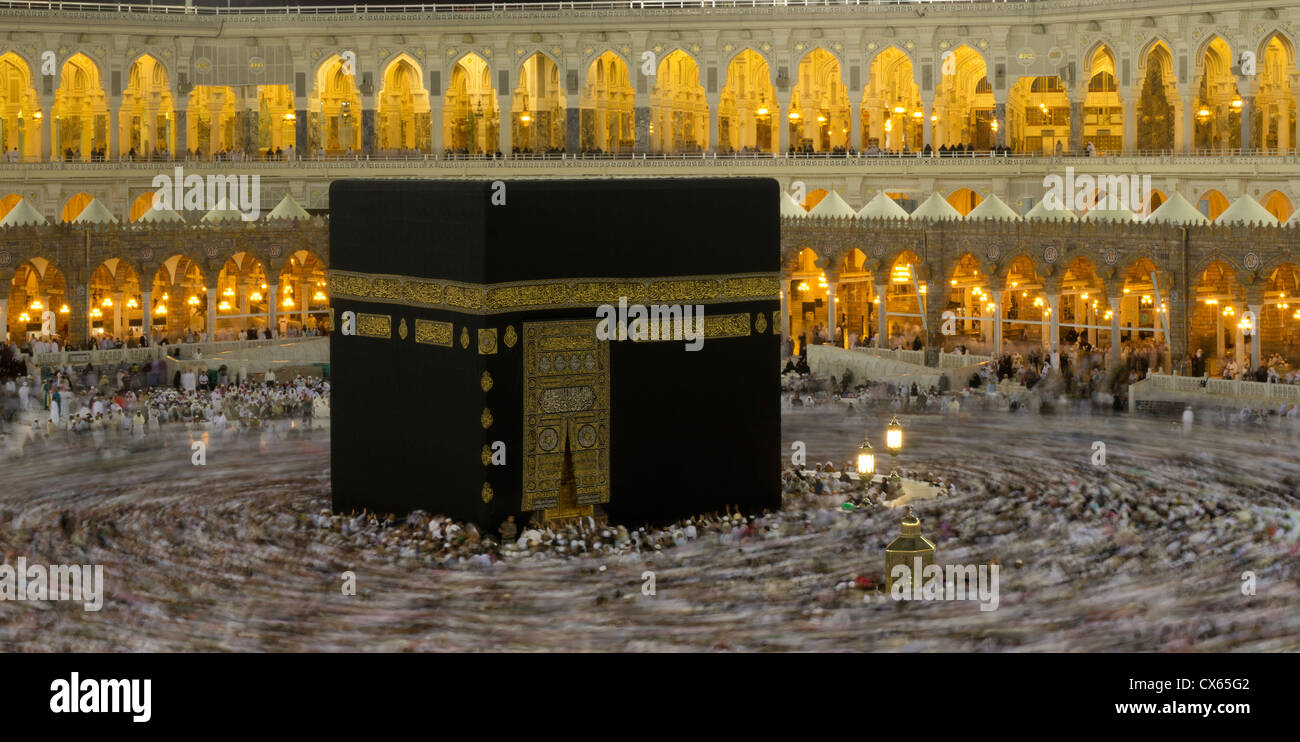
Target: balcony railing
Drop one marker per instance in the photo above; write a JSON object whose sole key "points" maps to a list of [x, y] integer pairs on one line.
{"points": [[179, 351], [179, 8], [561, 160], [1223, 387]]}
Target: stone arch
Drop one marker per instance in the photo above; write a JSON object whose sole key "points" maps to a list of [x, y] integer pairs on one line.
{"points": [[471, 112], [333, 109], [538, 116], [607, 105], [819, 104]]}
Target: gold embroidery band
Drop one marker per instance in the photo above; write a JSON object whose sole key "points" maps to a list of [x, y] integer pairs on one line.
{"points": [[499, 298], [715, 326], [374, 325]]}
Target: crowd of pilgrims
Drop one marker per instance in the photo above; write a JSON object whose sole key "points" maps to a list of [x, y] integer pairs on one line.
{"points": [[110, 405]]}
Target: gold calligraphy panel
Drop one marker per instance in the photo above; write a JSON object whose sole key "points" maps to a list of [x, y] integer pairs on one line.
{"points": [[566, 395]]}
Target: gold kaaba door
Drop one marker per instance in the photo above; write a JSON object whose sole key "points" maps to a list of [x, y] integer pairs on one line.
{"points": [[566, 418]]}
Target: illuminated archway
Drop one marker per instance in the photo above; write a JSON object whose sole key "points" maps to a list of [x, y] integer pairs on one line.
{"points": [[276, 121], [304, 293], [36, 287], [608, 106], [334, 111], [20, 109], [891, 103], [679, 112], [1038, 115], [179, 299], [748, 106], [1103, 111], [114, 300], [243, 297], [1273, 122], [808, 295], [1218, 102], [818, 120], [1158, 103], [1218, 300], [80, 111], [537, 111], [402, 113], [471, 117], [145, 120], [964, 106], [210, 120], [1279, 323]]}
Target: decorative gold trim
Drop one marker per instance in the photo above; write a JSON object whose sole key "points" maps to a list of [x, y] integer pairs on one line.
{"points": [[486, 418], [485, 382], [374, 325], [715, 327], [401, 329], [486, 456], [433, 332], [487, 492], [511, 337], [760, 323], [464, 337], [776, 322], [517, 296], [487, 341]]}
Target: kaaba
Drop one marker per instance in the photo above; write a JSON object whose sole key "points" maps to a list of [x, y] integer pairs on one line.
{"points": [[492, 357]]}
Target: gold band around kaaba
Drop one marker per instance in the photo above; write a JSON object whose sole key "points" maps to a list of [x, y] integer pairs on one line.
{"points": [[499, 298]]}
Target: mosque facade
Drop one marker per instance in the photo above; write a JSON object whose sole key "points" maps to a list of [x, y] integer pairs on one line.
{"points": [[838, 101]]}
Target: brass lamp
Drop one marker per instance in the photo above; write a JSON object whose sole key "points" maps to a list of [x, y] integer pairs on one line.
{"points": [[866, 459], [894, 437]]}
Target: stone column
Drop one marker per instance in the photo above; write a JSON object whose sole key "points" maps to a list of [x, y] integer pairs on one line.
{"points": [[119, 318], [300, 120], [927, 128], [1240, 344], [272, 299], [505, 118], [1000, 114], [146, 313], [573, 126], [713, 101], [79, 303], [1258, 311], [1247, 113], [1054, 326], [781, 121], [368, 144], [4, 314], [1130, 120], [1185, 125], [212, 312], [882, 326], [1114, 303], [855, 119], [44, 128], [1076, 123], [181, 134], [832, 312]]}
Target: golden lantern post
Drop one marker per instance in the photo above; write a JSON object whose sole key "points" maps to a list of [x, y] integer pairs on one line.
{"points": [[866, 462], [894, 444]]}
